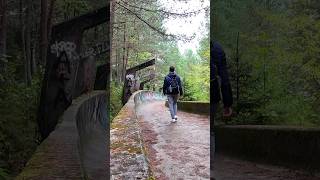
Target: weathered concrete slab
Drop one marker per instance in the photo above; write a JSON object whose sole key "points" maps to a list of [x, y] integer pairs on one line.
{"points": [[144, 144], [228, 168], [175, 150], [128, 160], [76, 149]]}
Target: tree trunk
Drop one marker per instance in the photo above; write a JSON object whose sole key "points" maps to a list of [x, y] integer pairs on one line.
{"points": [[3, 34], [118, 65], [49, 24], [35, 42], [23, 44], [112, 41], [124, 64], [33, 59], [28, 41], [43, 32]]}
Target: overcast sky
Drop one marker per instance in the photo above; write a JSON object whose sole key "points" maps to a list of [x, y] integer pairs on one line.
{"points": [[187, 26]]}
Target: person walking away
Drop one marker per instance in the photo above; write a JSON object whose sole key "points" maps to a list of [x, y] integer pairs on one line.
{"points": [[173, 89]]}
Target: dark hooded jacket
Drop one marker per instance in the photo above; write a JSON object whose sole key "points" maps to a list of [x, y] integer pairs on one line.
{"points": [[219, 69], [167, 81]]}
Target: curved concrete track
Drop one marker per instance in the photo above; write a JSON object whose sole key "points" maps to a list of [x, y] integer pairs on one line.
{"points": [[178, 150]]}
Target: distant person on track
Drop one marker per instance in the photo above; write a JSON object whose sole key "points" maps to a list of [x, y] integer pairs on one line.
{"points": [[173, 89]]}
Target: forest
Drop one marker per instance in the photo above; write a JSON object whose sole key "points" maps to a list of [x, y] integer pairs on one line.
{"points": [[275, 66], [272, 47], [138, 35], [25, 29]]}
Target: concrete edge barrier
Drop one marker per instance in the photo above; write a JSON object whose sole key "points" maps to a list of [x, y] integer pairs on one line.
{"points": [[196, 107], [129, 158], [286, 146], [64, 154]]}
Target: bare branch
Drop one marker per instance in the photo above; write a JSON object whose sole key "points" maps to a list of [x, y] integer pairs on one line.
{"points": [[144, 21], [168, 13], [162, 33]]}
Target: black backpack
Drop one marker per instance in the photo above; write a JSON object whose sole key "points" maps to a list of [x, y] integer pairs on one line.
{"points": [[174, 86]]}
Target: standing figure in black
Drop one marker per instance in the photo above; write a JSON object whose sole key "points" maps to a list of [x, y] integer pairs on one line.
{"points": [[218, 71]]}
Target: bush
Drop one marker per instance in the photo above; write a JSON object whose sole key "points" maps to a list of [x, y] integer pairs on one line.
{"points": [[115, 99], [18, 133]]}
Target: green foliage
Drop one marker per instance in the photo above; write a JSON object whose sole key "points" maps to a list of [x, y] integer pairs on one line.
{"points": [[135, 42], [197, 83], [19, 101], [279, 59], [3, 174], [66, 9], [18, 107], [115, 99], [204, 50], [192, 68]]}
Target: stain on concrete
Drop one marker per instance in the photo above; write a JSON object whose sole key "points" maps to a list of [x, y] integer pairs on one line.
{"points": [[127, 159], [175, 150]]}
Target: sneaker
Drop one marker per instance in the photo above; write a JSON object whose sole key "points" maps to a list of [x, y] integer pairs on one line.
{"points": [[173, 120], [176, 117]]}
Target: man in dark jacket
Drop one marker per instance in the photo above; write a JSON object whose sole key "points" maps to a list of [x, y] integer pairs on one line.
{"points": [[219, 70], [218, 67], [172, 87]]}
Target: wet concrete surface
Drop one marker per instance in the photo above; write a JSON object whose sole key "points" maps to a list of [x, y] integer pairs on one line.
{"points": [[227, 168], [178, 150]]}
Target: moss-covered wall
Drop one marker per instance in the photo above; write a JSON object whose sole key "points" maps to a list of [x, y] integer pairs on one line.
{"points": [[128, 154], [71, 150]]}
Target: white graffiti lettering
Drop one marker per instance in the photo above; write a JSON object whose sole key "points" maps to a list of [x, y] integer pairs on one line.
{"points": [[70, 49], [98, 49], [62, 46], [130, 77]]}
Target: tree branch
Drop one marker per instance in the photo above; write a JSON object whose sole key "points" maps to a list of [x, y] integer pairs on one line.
{"points": [[144, 21], [167, 13]]}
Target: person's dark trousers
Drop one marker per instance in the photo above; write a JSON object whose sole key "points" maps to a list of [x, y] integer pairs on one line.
{"points": [[212, 138], [172, 102]]}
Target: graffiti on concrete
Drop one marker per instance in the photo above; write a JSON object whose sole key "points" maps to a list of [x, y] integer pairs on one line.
{"points": [[97, 49], [130, 78], [89, 74], [63, 75], [133, 82], [130, 82], [68, 47], [66, 71]]}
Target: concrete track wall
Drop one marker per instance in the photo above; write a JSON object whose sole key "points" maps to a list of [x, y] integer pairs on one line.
{"points": [[76, 149], [195, 107], [128, 155], [289, 146]]}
